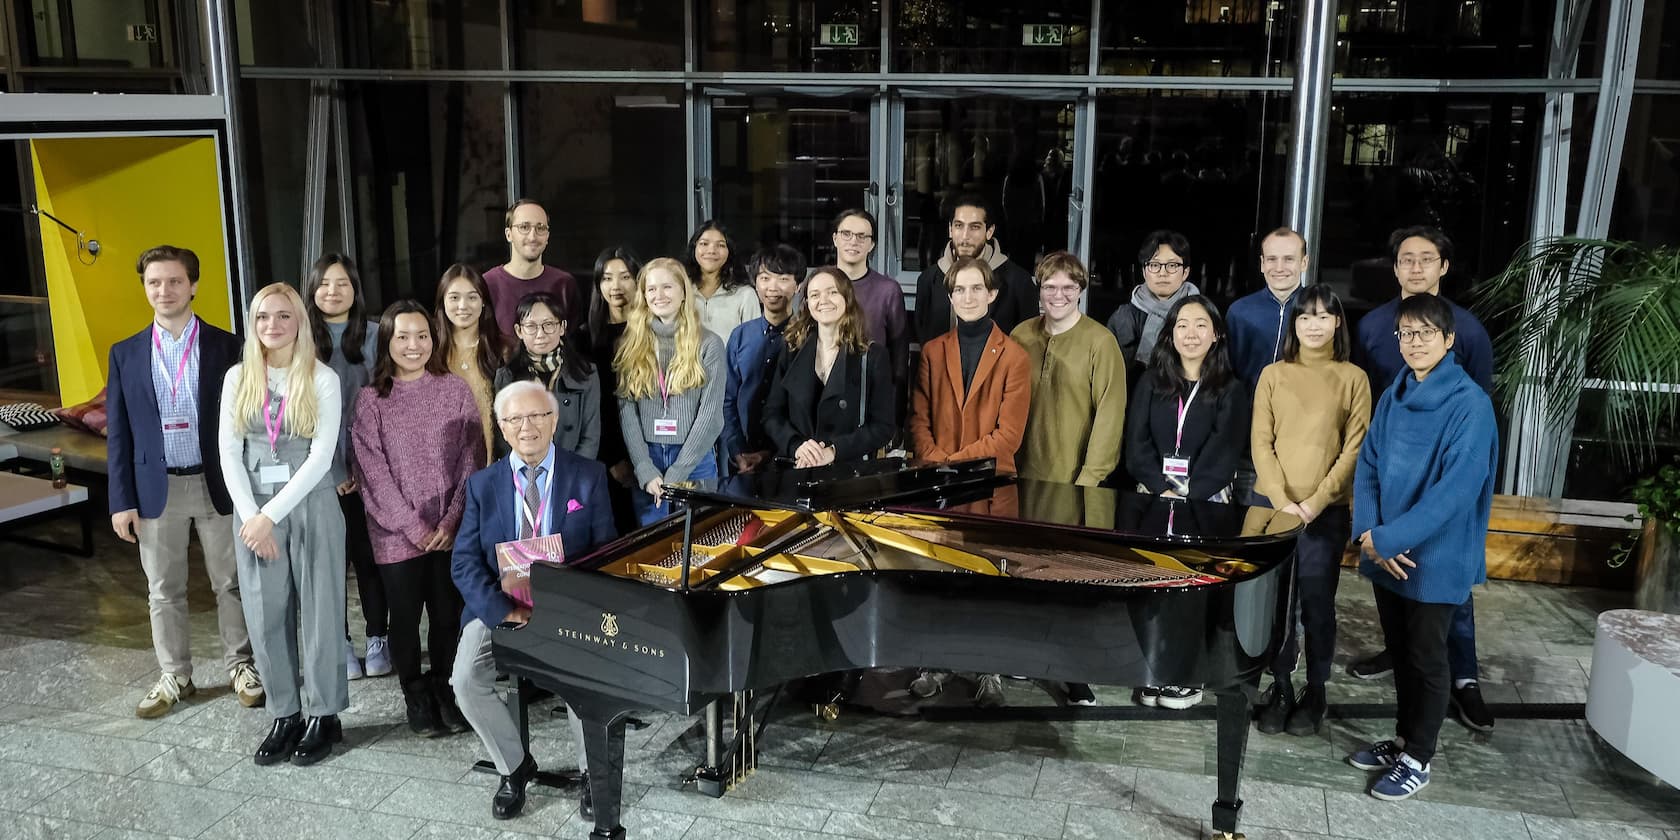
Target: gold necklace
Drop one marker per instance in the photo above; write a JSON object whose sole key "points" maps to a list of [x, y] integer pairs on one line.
{"points": [[466, 362]]}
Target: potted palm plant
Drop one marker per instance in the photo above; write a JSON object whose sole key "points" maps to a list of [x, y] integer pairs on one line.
{"points": [[1571, 314]]}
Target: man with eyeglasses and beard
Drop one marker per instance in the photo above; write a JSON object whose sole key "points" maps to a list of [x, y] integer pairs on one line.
{"points": [[971, 227], [1422, 257], [526, 227]]}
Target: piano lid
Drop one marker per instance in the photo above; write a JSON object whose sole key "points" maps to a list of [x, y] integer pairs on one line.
{"points": [[1108, 512], [860, 485]]}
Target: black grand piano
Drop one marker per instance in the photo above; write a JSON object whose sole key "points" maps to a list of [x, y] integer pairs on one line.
{"points": [[792, 574]]}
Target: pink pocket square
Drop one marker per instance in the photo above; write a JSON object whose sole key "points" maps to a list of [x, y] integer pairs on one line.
{"points": [[573, 505]]}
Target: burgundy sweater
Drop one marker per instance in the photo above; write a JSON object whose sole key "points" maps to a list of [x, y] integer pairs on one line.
{"points": [[414, 452]]}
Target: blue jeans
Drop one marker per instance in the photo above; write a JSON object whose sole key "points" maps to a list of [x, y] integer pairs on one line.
{"points": [[1461, 642], [1318, 568], [650, 510]]}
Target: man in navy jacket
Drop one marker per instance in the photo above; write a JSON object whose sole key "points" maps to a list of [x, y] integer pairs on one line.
{"points": [[163, 397], [1259, 321], [538, 489], [1421, 258]]}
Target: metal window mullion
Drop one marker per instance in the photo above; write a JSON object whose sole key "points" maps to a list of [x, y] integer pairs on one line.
{"points": [[1079, 207], [1311, 123], [513, 164], [892, 224], [315, 171], [1615, 99], [223, 67]]}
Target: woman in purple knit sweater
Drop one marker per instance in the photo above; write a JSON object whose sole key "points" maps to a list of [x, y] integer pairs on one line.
{"points": [[418, 436]]}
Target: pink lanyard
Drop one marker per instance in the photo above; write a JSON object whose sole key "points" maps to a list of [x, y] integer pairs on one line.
{"points": [[1184, 408], [181, 368], [536, 520], [274, 424]]}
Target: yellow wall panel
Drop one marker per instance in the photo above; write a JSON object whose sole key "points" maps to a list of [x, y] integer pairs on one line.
{"points": [[130, 193]]}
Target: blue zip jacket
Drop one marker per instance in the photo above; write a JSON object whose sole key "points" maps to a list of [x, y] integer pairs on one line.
{"points": [[1424, 484], [1257, 323], [750, 358], [1379, 351]]}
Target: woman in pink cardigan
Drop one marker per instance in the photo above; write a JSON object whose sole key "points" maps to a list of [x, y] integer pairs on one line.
{"points": [[417, 436]]}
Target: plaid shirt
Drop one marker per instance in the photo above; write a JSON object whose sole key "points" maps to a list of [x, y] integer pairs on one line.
{"points": [[179, 450]]}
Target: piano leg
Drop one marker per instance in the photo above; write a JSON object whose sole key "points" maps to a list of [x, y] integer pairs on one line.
{"points": [[1233, 715], [603, 741]]}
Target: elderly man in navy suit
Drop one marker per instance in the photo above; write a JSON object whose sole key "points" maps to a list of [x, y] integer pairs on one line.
{"points": [[539, 489], [162, 425]]}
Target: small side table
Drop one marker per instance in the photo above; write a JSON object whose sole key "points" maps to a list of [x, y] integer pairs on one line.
{"points": [[1634, 689], [26, 499]]}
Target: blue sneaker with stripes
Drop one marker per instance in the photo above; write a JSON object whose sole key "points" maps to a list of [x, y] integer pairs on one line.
{"points": [[1379, 756], [1405, 778]]}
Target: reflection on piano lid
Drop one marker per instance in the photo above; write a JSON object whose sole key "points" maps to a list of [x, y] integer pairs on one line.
{"points": [[857, 485]]}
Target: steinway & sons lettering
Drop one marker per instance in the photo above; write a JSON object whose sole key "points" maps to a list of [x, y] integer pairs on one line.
{"points": [[613, 644]]}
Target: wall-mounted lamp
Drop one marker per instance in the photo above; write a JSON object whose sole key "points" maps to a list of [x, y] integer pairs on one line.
{"points": [[84, 245]]}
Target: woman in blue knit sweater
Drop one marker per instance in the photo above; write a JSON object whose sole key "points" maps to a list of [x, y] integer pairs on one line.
{"points": [[1422, 494]]}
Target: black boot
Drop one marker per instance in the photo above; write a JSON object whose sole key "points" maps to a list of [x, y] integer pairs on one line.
{"points": [[282, 738], [1308, 716], [1275, 714], [510, 794], [422, 707], [319, 734], [449, 715], [586, 802]]}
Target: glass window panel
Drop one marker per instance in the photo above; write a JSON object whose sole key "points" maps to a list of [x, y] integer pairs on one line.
{"points": [[1013, 153], [94, 33], [1461, 162], [1047, 37], [825, 36], [1199, 38], [275, 34], [784, 167], [431, 182], [1211, 165], [26, 342], [422, 34], [1659, 47], [1647, 205], [599, 35], [611, 172], [275, 128], [1450, 40]]}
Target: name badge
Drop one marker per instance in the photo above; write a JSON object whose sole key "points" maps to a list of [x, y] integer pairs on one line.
{"points": [[272, 474], [176, 424], [1179, 467], [665, 427]]}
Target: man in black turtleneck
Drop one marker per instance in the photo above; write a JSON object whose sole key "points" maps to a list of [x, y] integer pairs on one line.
{"points": [[971, 236]]}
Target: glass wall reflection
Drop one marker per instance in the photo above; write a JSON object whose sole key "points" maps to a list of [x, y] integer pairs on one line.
{"points": [[598, 34], [822, 36], [422, 34], [1048, 37], [1448, 40], [1199, 38]]}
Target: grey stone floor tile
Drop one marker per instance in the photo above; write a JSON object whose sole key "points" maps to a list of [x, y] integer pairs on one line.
{"points": [[470, 805], [131, 834], [1540, 692], [139, 803], [836, 793], [215, 740], [267, 818], [639, 823], [456, 831], [736, 809], [67, 693], [888, 758], [22, 784], [710, 828], [395, 764], [74, 750], [1606, 796], [788, 746], [865, 827], [188, 766], [322, 784], [35, 827], [1359, 815], [1265, 804], [1553, 828], [1087, 823], [123, 726], [966, 809], [1087, 783], [1004, 773]]}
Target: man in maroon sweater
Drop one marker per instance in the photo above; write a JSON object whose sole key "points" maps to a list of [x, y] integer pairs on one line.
{"points": [[527, 230]]}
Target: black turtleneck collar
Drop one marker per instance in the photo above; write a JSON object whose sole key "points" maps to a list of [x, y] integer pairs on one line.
{"points": [[971, 343]]}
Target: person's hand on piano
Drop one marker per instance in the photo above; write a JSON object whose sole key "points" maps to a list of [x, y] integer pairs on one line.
{"points": [[518, 616], [809, 454], [655, 486], [1300, 511]]}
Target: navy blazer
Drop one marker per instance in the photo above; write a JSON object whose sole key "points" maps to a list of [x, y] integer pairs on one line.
{"points": [[488, 520], [134, 438]]}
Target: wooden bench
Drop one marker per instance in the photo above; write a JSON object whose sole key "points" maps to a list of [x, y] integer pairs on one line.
{"points": [[1633, 692]]}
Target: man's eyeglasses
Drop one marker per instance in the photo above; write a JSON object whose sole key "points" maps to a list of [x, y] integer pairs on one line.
{"points": [[1069, 291], [1154, 267], [528, 228], [1417, 262], [546, 327], [1409, 336], [854, 236], [518, 421]]}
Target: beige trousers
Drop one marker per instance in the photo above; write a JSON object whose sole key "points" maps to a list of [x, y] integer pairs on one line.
{"points": [[163, 554]]}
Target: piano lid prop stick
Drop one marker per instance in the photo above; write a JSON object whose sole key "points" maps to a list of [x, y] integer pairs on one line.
{"points": [[687, 545]]}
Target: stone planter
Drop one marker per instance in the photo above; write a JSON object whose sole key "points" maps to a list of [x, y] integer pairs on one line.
{"points": [[1657, 576]]}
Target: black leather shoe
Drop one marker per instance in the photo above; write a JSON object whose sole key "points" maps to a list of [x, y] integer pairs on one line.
{"points": [[1274, 716], [319, 734], [586, 802], [510, 794], [1308, 717], [281, 739], [449, 715]]}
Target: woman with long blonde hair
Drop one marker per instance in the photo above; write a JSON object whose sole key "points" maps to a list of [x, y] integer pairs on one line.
{"points": [[670, 387], [281, 412]]}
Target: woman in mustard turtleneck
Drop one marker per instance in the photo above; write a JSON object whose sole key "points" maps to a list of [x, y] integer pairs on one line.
{"points": [[1311, 410]]}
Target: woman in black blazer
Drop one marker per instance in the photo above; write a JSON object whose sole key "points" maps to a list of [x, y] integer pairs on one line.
{"points": [[831, 398]]}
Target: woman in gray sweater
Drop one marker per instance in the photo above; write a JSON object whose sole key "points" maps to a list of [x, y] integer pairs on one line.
{"points": [[670, 388]]}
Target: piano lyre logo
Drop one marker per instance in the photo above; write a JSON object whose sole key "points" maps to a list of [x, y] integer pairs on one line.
{"points": [[609, 624]]}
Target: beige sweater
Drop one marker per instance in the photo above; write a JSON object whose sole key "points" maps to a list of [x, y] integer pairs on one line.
{"points": [[1310, 417]]}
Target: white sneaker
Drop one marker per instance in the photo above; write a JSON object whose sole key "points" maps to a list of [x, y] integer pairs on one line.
{"points": [[1179, 697], [169, 690], [247, 685], [378, 656], [352, 665]]}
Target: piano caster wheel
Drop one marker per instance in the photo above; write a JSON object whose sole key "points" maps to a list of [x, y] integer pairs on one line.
{"points": [[829, 712]]}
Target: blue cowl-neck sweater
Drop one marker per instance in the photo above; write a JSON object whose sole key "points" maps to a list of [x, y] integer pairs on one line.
{"points": [[1424, 484]]}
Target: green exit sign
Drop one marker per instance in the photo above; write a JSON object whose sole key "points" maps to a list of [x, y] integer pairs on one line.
{"points": [[838, 35], [1043, 34]]}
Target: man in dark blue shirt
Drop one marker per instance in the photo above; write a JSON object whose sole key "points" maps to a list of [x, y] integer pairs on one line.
{"points": [[1422, 257], [1258, 321], [751, 356]]}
